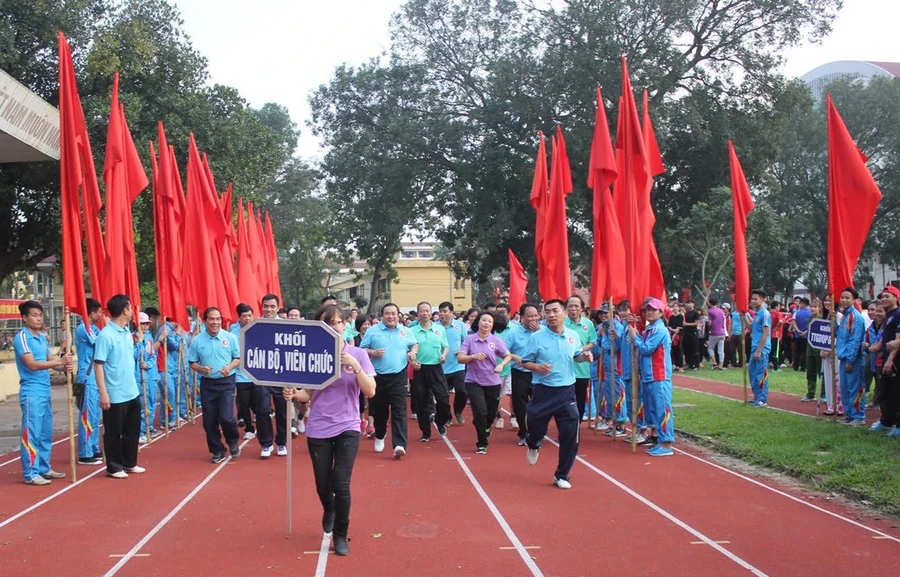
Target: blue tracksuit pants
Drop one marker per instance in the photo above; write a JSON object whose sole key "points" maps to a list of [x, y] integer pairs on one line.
{"points": [[89, 415], [658, 405], [629, 400], [37, 434], [759, 378], [853, 391], [614, 401]]}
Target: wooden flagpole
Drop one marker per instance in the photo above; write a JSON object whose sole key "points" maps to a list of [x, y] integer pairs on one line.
{"points": [[70, 394], [613, 366], [165, 347]]}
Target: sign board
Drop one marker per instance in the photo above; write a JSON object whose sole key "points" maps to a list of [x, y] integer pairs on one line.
{"points": [[31, 124], [290, 353], [819, 335], [9, 309]]}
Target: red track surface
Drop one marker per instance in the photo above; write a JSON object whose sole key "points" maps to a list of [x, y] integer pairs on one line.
{"points": [[424, 516]]}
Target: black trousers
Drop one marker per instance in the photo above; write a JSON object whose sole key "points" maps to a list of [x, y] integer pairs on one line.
{"points": [[246, 403], [217, 398], [690, 344], [456, 381], [121, 432], [332, 463], [485, 401], [432, 396], [581, 389], [265, 398], [390, 399], [889, 399], [557, 403], [521, 394], [799, 358]]}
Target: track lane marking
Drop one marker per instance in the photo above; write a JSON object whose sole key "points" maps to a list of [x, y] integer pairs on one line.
{"points": [[17, 459]]}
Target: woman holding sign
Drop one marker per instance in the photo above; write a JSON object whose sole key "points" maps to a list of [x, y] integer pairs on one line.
{"points": [[332, 430]]}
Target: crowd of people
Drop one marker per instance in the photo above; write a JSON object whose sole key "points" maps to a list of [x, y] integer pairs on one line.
{"points": [[550, 361]]}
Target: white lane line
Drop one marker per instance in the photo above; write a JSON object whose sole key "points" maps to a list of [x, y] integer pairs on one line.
{"points": [[323, 555], [70, 486], [513, 539], [17, 459], [879, 534], [700, 536], [165, 520]]}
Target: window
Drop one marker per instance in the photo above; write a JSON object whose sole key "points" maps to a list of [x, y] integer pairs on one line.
{"points": [[353, 291], [459, 284], [426, 254], [408, 254]]}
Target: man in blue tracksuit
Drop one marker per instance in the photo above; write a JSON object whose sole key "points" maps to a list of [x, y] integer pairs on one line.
{"points": [[87, 398], [654, 345], [33, 361], [623, 314], [176, 339], [551, 357], [848, 348], [760, 347], [146, 375], [614, 407]]}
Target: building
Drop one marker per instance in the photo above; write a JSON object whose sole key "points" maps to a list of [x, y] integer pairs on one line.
{"points": [[819, 77], [421, 276]]}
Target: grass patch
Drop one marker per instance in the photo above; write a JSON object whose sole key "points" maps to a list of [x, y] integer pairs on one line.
{"points": [[784, 380], [853, 462]]}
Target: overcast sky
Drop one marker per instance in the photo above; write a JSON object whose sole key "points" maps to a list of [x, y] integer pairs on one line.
{"points": [[280, 50]]}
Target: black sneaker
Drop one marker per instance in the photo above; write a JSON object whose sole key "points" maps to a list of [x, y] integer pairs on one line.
{"points": [[235, 450], [481, 451], [460, 420], [216, 459], [648, 441], [442, 430], [90, 461], [240, 423], [424, 439]]}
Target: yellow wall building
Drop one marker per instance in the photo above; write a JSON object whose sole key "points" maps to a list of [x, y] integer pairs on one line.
{"points": [[420, 277]]}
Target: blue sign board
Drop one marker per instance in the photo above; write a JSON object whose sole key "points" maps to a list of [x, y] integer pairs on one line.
{"points": [[290, 353], [819, 335]]}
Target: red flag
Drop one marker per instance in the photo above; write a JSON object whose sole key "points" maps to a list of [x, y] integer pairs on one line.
{"points": [[168, 218], [629, 188], [517, 283], [199, 268], [220, 250], [72, 142], [248, 290], [258, 262], [608, 268], [125, 178], [228, 213], [853, 198], [743, 204], [656, 285], [556, 232], [274, 281], [539, 197]]}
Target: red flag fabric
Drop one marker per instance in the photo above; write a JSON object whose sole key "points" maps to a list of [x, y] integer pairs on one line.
{"points": [[248, 289], [274, 280], [168, 218], [853, 198], [220, 251], [540, 194], [656, 285], [199, 268], [228, 213], [608, 268], [556, 232], [257, 248], [72, 139], [743, 203], [125, 178], [630, 187], [518, 283]]}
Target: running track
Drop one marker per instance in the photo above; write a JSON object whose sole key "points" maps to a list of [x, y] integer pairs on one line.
{"points": [[441, 511]]}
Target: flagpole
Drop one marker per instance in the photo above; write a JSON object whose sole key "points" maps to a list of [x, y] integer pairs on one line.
{"points": [[613, 366], [635, 392], [179, 379], [144, 384], [290, 501], [743, 353], [70, 395], [834, 375], [165, 348]]}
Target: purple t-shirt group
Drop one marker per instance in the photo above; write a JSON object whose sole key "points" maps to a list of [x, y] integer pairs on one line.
{"points": [[716, 321], [335, 409]]}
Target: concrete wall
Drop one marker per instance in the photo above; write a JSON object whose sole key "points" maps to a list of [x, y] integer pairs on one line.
{"points": [[430, 281], [9, 380]]}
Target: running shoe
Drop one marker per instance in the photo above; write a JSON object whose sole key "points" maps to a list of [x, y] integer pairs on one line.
{"points": [[532, 456], [562, 483], [481, 451], [399, 452]]}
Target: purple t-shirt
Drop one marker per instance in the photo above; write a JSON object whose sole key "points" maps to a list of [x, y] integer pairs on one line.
{"points": [[716, 322], [335, 410], [482, 372]]}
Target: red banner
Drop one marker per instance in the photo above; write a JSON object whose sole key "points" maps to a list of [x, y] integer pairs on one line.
{"points": [[9, 309]]}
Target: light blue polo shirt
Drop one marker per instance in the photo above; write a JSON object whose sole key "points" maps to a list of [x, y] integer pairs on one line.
{"points": [[456, 333], [761, 319], [558, 350], [518, 343], [215, 352], [396, 343], [114, 350], [85, 338], [239, 376], [32, 383]]}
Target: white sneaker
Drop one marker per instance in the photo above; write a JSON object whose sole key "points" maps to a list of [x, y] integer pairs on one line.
{"points": [[513, 424], [399, 452], [266, 452], [532, 456], [118, 475], [301, 426], [249, 435], [282, 451], [294, 431], [379, 445], [499, 423], [602, 426], [142, 440], [562, 483], [137, 469]]}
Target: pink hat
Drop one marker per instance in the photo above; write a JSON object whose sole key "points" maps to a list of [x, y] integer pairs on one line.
{"points": [[655, 304], [143, 318]]}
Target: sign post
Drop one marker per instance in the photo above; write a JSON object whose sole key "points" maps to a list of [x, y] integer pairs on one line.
{"points": [[290, 353]]}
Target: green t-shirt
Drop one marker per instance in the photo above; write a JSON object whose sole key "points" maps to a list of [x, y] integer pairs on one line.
{"points": [[585, 330], [505, 335], [432, 341]]}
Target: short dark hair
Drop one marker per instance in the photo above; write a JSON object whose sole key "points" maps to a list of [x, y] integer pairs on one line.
{"points": [[526, 306], [804, 300], [27, 306], [852, 291], [327, 314], [282, 311], [500, 323], [289, 309], [504, 306], [712, 302], [488, 306], [151, 311], [581, 300], [422, 303], [117, 305], [327, 298], [759, 292], [269, 297], [551, 301], [93, 305], [386, 305], [624, 305], [209, 310], [243, 308], [446, 305]]}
